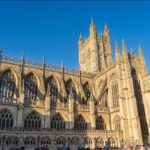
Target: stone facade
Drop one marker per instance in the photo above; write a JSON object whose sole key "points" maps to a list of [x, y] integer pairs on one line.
{"points": [[105, 101]]}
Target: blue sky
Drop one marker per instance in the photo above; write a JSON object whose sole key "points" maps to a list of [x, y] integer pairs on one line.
{"points": [[52, 29]]}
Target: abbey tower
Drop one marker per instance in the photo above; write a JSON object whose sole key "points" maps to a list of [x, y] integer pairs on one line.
{"points": [[95, 51]]}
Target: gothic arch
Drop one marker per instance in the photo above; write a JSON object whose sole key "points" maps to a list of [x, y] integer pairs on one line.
{"points": [[30, 88], [80, 123], [29, 140], [74, 140], [51, 87], [36, 77], [32, 121], [6, 119], [113, 77], [71, 85], [111, 142], [13, 72], [46, 140], [57, 122], [8, 86], [61, 140], [57, 79], [114, 91], [88, 141], [87, 90], [12, 141], [100, 123], [99, 142], [117, 123]]}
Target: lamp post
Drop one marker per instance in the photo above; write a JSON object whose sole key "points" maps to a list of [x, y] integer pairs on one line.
{"points": [[3, 142], [68, 143], [38, 142]]}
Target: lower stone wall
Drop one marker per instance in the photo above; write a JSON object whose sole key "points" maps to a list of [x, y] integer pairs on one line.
{"points": [[53, 140]]}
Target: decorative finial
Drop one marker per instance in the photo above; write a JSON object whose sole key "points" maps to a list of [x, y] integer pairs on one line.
{"points": [[80, 38], [105, 28], [23, 56], [1, 52], [92, 22], [43, 60], [62, 64], [117, 47]]}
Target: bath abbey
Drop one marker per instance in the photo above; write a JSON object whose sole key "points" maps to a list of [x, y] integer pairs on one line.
{"points": [[105, 101]]}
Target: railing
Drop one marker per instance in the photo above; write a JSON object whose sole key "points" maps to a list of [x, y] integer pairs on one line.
{"points": [[66, 131], [40, 65]]}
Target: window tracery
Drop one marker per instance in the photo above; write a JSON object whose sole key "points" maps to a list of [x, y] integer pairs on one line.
{"points": [[100, 124], [58, 122], [70, 87], [30, 88], [12, 140], [61, 141], [6, 119], [52, 90], [32, 121], [7, 87], [80, 123], [46, 140], [29, 140]]}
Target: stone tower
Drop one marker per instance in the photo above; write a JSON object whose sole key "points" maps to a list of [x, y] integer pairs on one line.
{"points": [[95, 51]]}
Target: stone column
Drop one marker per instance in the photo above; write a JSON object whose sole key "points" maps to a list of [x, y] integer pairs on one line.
{"points": [[135, 128], [92, 112], [146, 102], [47, 112], [93, 143], [20, 111], [71, 111]]}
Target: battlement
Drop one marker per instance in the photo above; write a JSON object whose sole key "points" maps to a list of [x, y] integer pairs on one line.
{"points": [[48, 67]]}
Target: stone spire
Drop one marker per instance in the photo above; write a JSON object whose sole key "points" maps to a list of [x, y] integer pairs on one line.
{"points": [[124, 50], [141, 56], [62, 69], [22, 55], [142, 60], [118, 56], [106, 28], [80, 41], [108, 51], [92, 29]]}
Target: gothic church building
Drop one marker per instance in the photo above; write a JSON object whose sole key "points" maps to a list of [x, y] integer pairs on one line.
{"points": [[105, 101]]}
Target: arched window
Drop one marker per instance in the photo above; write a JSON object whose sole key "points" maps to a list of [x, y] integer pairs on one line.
{"points": [[117, 123], [12, 140], [30, 88], [61, 141], [70, 87], [115, 94], [88, 141], [111, 142], [80, 123], [52, 90], [74, 141], [6, 119], [99, 142], [58, 122], [32, 121], [103, 99], [7, 87], [100, 124], [29, 141], [46, 140], [87, 91]]}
